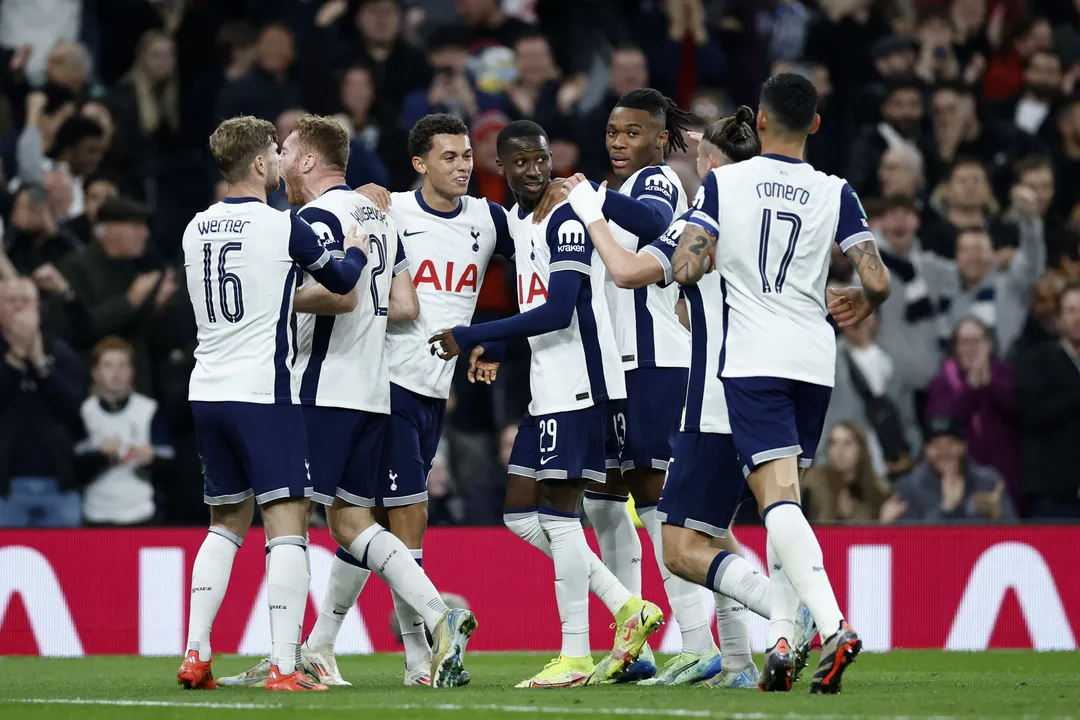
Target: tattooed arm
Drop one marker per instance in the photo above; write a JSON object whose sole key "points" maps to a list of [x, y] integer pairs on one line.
{"points": [[693, 256], [874, 275]]}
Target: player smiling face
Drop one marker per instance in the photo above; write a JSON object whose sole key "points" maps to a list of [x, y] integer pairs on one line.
{"points": [[634, 139], [448, 165], [525, 162]]}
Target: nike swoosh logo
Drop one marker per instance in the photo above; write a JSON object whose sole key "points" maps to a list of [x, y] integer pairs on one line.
{"points": [[340, 613], [418, 624], [545, 461], [414, 232]]}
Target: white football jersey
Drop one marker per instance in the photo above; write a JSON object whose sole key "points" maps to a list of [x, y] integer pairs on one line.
{"points": [[239, 264], [578, 366], [448, 254], [776, 220], [706, 408], [647, 330], [341, 359]]}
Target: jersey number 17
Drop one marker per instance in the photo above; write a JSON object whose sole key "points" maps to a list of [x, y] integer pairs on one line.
{"points": [[794, 224]]}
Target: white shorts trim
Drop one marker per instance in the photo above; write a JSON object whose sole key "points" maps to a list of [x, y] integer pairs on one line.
{"points": [[355, 499], [227, 499], [392, 502]]}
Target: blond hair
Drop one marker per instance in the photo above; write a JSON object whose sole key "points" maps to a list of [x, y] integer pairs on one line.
{"points": [[325, 137], [237, 142]]}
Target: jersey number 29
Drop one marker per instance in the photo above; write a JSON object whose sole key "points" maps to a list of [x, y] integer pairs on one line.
{"points": [[794, 223], [228, 284]]}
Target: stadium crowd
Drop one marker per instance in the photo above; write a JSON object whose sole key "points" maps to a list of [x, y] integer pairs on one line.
{"points": [[958, 123]]}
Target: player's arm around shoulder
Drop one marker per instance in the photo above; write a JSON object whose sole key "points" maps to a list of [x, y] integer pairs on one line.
{"points": [[317, 300], [627, 269], [695, 252]]}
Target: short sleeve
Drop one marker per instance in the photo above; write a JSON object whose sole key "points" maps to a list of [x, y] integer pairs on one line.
{"points": [[571, 246], [851, 227], [401, 261], [706, 210], [304, 245], [652, 185], [504, 243], [663, 248]]}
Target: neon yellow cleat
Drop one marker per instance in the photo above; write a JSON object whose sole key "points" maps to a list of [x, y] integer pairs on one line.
{"points": [[562, 672], [635, 622]]}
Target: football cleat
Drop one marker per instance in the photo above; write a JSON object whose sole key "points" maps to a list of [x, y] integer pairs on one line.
{"points": [[744, 678], [321, 663], [837, 653], [779, 666], [635, 622], [194, 674], [296, 681], [562, 672], [686, 669], [805, 630], [641, 669], [451, 635], [255, 677]]}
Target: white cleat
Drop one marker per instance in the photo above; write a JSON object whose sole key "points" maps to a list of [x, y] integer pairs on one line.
{"points": [[420, 677], [255, 677], [805, 630], [321, 663], [744, 678]]}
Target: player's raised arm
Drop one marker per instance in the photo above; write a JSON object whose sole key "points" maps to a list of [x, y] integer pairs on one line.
{"points": [[404, 303], [851, 305], [317, 300], [697, 241], [627, 269], [338, 277]]}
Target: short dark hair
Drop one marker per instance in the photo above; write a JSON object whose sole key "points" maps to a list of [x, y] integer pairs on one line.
{"points": [[674, 119], [956, 86], [448, 36], [901, 86], [963, 160], [899, 202], [1031, 162], [427, 127], [74, 130], [791, 101], [735, 135], [516, 130]]}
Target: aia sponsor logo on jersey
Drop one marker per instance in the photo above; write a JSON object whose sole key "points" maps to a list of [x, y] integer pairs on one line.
{"points": [[535, 289], [448, 280]]}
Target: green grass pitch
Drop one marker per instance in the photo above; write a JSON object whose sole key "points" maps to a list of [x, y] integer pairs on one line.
{"points": [[892, 686]]}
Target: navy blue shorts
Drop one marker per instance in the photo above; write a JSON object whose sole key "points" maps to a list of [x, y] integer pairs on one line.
{"points": [[773, 418], [345, 447], [704, 485], [251, 449], [412, 439], [654, 404], [567, 445]]}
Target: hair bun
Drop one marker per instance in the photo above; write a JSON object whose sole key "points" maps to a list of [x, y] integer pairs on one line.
{"points": [[744, 115]]}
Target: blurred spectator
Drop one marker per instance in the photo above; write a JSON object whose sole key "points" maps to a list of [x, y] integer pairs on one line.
{"points": [[115, 277], [485, 502], [901, 173], [536, 92], [40, 392], [845, 487], [492, 34], [894, 62], [126, 443], [43, 28], [1041, 324], [98, 189], [1004, 76], [975, 389], [902, 114], [33, 237], [1047, 387], [964, 201], [450, 90], [871, 391], [1032, 108], [909, 329], [377, 143], [80, 147], [948, 486], [268, 89], [486, 181], [1066, 153], [627, 70]]}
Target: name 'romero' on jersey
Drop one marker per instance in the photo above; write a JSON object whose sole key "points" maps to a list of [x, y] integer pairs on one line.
{"points": [[578, 366], [776, 220], [448, 253], [646, 328]]}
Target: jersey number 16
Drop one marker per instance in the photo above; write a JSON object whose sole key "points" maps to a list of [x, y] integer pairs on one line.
{"points": [[794, 223], [228, 284]]}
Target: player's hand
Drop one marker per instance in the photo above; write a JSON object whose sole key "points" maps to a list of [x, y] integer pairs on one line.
{"points": [[356, 239], [142, 286], [850, 306], [588, 202], [376, 194], [554, 193], [481, 370], [111, 446], [141, 455], [444, 345], [49, 279]]}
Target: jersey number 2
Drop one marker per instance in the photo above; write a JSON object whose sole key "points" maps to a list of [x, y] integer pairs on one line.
{"points": [[378, 246], [795, 226], [228, 284]]}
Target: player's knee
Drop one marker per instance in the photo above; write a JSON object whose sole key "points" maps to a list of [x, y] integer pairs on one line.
{"points": [[235, 518], [676, 548], [409, 523]]}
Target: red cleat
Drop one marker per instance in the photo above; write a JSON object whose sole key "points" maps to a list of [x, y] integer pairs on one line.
{"points": [[194, 674], [296, 681]]}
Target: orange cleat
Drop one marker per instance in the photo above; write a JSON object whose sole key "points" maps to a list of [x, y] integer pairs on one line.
{"points": [[296, 681], [194, 674]]}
